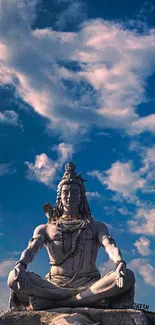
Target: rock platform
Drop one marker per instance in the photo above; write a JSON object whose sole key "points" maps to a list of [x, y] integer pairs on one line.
{"points": [[76, 316]]}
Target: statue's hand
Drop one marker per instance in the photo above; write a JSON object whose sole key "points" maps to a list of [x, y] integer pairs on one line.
{"points": [[120, 274], [20, 276]]}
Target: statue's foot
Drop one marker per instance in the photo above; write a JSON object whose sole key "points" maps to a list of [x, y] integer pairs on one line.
{"points": [[37, 303], [104, 304]]}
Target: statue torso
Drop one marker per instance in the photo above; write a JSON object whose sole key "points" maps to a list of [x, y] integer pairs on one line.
{"points": [[82, 251]]}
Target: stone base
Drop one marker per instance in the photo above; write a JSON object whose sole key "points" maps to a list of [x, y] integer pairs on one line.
{"points": [[75, 316]]}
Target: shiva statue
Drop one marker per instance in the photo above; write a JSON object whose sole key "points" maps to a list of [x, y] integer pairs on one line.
{"points": [[72, 239]]}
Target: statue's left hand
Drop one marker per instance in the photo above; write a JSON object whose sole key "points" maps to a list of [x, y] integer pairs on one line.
{"points": [[120, 275]]}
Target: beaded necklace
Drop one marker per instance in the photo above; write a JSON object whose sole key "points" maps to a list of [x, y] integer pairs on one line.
{"points": [[76, 243], [75, 247]]}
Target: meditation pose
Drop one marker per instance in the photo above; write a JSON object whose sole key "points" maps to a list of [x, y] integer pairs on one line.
{"points": [[72, 239]]}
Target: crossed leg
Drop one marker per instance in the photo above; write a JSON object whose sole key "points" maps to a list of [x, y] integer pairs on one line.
{"points": [[45, 294], [105, 288]]}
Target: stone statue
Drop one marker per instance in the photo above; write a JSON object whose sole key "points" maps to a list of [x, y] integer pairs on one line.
{"points": [[72, 239]]}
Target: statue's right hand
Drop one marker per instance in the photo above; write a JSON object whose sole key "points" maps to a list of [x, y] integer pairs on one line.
{"points": [[20, 276]]}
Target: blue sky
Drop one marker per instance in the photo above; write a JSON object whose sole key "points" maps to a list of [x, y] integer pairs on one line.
{"points": [[77, 83]]}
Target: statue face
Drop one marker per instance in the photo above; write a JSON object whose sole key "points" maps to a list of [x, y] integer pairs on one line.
{"points": [[70, 197]]}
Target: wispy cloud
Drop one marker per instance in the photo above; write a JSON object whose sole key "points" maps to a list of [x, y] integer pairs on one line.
{"points": [[93, 195], [143, 222], [143, 246], [145, 11], [111, 66], [44, 169], [126, 181], [7, 169], [124, 211], [145, 269], [147, 158], [142, 124], [106, 267], [74, 13], [4, 296], [64, 150], [6, 267], [120, 178], [10, 117], [128, 184], [15, 253], [4, 169]]}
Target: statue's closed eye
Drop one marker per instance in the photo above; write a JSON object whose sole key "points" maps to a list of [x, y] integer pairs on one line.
{"points": [[65, 192]]}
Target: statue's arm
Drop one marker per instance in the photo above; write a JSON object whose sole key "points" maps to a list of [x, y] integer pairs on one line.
{"points": [[109, 243], [34, 246], [114, 253]]}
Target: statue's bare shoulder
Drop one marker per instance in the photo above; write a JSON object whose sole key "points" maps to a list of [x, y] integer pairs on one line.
{"points": [[40, 232], [102, 231], [47, 232]]}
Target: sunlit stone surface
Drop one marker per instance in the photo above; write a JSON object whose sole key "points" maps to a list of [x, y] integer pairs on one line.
{"points": [[77, 316]]}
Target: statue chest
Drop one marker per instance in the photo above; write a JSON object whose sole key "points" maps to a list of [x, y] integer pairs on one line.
{"points": [[61, 242]]}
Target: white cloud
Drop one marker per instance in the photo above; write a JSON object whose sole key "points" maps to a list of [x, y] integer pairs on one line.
{"points": [[15, 253], [92, 195], [143, 222], [74, 13], [143, 246], [6, 267], [64, 150], [150, 155], [99, 175], [147, 155], [4, 296], [124, 211], [120, 178], [106, 267], [148, 161], [113, 64], [4, 169], [145, 269], [127, 182], [44, 169], [148, 167], [10, 117], [146, 123], [145, 11]]}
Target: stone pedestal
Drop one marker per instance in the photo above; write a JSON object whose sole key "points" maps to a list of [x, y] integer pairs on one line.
{"points": [[75, 316]]}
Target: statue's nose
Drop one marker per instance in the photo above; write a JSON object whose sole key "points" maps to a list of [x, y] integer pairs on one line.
{"points": [[69, 194]]}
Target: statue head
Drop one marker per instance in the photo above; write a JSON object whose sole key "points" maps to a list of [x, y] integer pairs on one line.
{"points": [[71, 193]]}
